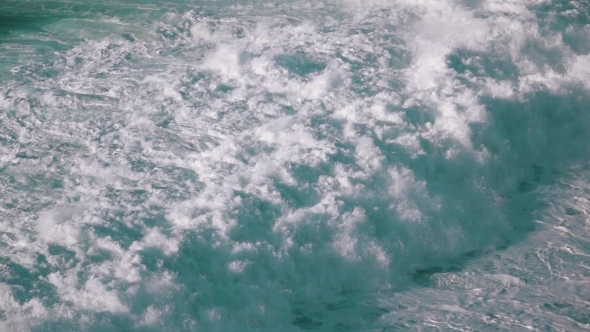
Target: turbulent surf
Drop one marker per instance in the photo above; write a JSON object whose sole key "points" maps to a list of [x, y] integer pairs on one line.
{"points": [[338, 165]]}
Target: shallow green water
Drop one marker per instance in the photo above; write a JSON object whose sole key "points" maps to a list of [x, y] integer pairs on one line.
{"points": [[294, 165]]}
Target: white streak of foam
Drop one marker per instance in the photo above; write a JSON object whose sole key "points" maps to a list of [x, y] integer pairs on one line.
{"points": [[89, 295], [345, 241]]}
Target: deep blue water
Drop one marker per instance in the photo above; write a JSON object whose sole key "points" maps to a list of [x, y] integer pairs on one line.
{"points": [[337, 165]]}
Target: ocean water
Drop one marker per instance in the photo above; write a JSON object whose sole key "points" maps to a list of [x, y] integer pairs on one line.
{"points": [[336, 165]]}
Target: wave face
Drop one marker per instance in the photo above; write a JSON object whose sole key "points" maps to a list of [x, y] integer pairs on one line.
{"points": [[338, 165]]}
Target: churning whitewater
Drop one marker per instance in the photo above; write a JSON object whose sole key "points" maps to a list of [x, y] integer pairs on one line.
{"points": [[337, 165]]}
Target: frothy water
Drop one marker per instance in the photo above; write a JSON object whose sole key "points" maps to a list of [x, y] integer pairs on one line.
{"points": [[262, 166]]}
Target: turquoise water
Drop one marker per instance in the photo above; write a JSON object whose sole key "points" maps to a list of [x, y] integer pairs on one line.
{"points": [[294, 165]]}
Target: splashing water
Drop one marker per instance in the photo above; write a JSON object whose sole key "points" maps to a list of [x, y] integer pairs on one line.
{"points": [[261, 166]]}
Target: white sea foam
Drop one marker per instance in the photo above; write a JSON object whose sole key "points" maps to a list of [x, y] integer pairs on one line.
{"points": [[228, 112]]}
